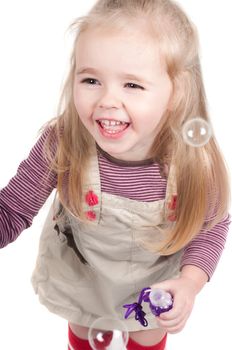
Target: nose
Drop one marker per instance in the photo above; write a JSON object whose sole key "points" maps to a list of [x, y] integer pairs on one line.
{"points": [[109, 99]]}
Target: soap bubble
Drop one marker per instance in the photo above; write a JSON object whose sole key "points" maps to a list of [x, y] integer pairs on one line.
{"points": [[113, 337], [196, 132]]}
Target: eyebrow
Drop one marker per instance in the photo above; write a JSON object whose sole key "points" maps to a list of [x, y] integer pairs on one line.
{"points": [[90, 70]]}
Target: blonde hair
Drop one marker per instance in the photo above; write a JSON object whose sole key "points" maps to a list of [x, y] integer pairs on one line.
{"points": [[201, 175]]}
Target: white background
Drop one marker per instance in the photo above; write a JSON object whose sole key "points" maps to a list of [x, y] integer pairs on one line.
{"points": [[34, 50]]}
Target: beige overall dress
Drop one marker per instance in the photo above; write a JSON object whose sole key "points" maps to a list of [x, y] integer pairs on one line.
{"points": [[89, 270]]}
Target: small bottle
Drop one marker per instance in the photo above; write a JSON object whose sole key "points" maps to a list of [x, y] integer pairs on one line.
{"points": [[160, 301]]}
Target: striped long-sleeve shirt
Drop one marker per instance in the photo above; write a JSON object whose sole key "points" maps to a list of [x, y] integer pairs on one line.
{"points": [[27, 191]]}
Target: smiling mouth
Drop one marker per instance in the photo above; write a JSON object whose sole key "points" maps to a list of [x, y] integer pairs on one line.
{"points": [[112, 126]]}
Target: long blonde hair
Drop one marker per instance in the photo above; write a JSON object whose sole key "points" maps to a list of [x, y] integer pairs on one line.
{"points": [[201, 175]]}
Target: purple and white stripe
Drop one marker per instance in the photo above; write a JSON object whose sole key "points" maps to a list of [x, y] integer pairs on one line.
{"points": [[25, 194], [141, 183], [206, 248]]}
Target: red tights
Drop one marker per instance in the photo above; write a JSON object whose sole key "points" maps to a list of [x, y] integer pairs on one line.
{"points": [[132, 345], [76, 343]]}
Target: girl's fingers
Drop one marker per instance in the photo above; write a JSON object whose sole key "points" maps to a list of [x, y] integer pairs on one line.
{"points": [[177, 328], [173, 326], [173, 321], [172, 314], [176, 312]]}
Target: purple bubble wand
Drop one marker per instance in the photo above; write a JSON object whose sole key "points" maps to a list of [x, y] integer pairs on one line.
{"points": [[159, 301]]}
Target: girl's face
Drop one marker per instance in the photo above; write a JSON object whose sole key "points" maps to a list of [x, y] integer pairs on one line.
{"points": [[121, 91]]}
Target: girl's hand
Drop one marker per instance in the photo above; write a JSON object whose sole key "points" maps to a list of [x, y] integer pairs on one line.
{"points": [[184, 290]]}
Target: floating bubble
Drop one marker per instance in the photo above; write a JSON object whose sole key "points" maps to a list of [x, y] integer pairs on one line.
{"points": [[196, 132], [113, 337]]}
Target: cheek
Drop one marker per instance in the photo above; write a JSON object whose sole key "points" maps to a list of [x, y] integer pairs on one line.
{"points": [[150, 112], [80, 101], [150, 109], [160, 104], [84, 99]]}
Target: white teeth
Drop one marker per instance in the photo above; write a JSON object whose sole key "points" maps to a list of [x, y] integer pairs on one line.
{"points": [[112, 126], [112, 131], [107, 122]]}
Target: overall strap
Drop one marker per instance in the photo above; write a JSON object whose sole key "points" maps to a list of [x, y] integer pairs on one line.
{"points": [[171, 194], [92, 190]]}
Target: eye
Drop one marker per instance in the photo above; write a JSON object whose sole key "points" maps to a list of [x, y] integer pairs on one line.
{"points": [[90, 81], [134, 86]]}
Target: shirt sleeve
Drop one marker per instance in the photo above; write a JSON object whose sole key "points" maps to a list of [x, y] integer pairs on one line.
{"points": [[26, 193], [205, 250]]}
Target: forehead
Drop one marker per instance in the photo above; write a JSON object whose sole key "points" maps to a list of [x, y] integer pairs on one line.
{"points": [[126, 48]]}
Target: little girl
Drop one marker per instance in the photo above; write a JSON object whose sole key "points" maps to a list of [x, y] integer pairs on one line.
{"points": [[136, 206]]}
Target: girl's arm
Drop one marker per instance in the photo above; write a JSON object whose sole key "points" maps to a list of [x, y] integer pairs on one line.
{"points": [[198, 264], [25, 194], [196, 277], [205, 250]]}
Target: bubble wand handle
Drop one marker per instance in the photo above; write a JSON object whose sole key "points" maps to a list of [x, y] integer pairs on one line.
{"points": [[160, 301]]}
